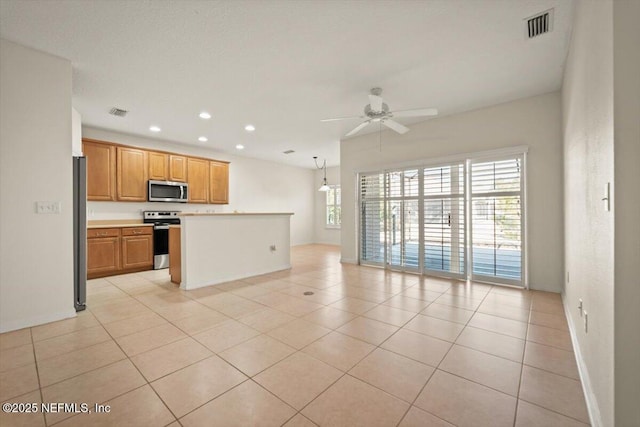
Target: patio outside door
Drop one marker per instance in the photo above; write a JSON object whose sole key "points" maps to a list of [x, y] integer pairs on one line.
{"points": [[444, 221]]}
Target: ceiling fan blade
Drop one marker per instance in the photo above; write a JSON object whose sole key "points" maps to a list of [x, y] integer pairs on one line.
{"points": [[401, 129], [358, 128], [416, 113], [375, 102], [342, 118]]}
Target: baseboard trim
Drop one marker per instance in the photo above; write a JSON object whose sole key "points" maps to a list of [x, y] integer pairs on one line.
{"points": [[36, 320], [231, 278], [590, 398]]}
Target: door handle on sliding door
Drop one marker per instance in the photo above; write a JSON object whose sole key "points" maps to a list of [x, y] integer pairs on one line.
{"points": [[449, 221]]}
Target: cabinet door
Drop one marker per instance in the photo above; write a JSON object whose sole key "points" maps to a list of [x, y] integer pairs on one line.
{"points": [[101, 170], [132, 168], [158, 166], [103, 256], [218, 182], [198, 173], [177, 168], [137, 251]]}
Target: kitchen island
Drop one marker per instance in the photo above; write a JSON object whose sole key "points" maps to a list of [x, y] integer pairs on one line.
{"points": [[215, 248]]}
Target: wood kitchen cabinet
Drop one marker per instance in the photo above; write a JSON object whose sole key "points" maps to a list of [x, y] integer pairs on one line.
{"points": [[198, 180], [118, 250], [218, 182], [103, 252], [177, 168], [121, 173], [158, 166], [137, 247], [101, 170], [132, 168]]}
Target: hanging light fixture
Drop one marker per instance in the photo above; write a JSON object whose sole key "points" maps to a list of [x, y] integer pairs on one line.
{"points": [[324, 186]]}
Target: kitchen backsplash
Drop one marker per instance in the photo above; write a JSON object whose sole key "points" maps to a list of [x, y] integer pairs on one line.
{"points": [[127, 210]]}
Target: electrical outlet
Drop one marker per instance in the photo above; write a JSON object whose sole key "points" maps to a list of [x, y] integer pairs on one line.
{"points": [[580, 306], [48, 207], [586, 322]]}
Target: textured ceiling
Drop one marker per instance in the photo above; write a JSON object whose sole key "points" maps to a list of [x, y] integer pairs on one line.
{"points": [[284, 65]]}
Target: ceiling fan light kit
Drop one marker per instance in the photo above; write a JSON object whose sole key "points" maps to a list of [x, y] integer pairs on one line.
{"points": [[378, 111]]}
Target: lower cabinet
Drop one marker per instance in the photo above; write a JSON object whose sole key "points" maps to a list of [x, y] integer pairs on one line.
{"points": [[113, 251], [103, 256]]}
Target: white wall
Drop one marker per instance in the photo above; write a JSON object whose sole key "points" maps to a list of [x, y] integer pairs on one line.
{"points": [[587, 96], [254, 186], [76, 132], [218, 248], [329, 236], [534, 122], [626, 110], [36, 251]]}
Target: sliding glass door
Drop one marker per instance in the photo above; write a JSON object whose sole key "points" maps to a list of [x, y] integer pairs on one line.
{"points": [[403, 227], [496, 221], [372, 219], [462, 220], [444, 220]]}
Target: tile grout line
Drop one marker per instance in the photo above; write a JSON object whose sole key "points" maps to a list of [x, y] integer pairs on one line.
{"points": [[435, 370], [35, 361]]}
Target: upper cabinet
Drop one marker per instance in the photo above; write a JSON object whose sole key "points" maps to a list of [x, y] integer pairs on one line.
{"points": [[101, 167], [177, 168], [158, 166], [118, 172], [198, 174], [218, 182], [132, 174]]}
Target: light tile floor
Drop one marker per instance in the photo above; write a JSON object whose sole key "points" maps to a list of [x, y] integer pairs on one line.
{"points": [[368, 348]]}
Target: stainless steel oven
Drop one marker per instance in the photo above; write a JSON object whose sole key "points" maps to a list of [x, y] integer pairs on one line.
{"points": [[168, 191], [161, 221]]}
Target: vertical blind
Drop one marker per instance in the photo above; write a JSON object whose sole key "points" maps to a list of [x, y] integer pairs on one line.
{"points": [[416, 219]]}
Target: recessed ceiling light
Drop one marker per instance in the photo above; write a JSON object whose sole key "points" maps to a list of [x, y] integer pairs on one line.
{"points": [[205, 115], [203, 139], [249, 128], [240, 147], [154, 129]]}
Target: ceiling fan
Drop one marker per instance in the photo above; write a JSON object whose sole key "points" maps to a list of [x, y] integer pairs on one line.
{"points": [[378, 111]]}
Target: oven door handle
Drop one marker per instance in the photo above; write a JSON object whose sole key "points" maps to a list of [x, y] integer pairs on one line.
{"points": [[161, 227]]}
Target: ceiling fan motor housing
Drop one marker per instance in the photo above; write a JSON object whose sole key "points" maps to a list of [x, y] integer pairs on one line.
{"points": [[376, 114]]}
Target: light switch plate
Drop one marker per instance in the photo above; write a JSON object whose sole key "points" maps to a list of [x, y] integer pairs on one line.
{"points": [[48, 207]]}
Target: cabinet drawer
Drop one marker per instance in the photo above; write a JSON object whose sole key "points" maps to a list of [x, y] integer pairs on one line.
{"points": [[137, 231], [102, 232]]}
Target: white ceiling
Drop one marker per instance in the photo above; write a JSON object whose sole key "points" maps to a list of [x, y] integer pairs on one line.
{"points": [[284, 65]]}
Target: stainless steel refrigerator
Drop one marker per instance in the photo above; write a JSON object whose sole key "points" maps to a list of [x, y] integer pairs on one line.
{"points": [[80, 232]]}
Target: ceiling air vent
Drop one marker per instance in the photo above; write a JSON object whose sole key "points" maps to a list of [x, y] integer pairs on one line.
{"points": [[539, 24], [288, 151], [118, 112]]}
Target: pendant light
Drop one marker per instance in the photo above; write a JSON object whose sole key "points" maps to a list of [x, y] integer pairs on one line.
{"points": [[324, 186]]}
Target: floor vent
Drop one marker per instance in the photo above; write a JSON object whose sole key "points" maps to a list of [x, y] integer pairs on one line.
{"points": [[539, 24], [288, 151], [118, 112]]}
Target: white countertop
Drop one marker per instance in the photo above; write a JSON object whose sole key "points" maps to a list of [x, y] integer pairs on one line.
{"points": [[233, 213]]}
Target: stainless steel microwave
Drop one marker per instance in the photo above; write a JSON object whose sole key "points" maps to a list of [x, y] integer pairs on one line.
{"points": [[168, 191]]}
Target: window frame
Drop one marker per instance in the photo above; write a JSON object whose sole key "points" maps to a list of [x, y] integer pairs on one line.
{"points": [[335, 204]]}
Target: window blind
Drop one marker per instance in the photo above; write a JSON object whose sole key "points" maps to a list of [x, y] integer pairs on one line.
{"points": [[444, 219], [496, 209], [372, 218]]}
